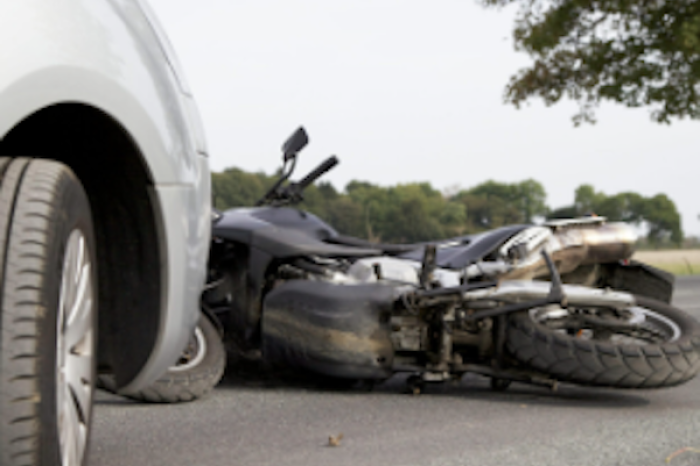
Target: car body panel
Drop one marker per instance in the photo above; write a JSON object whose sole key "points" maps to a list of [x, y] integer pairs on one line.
{"points": [[106, 54]]}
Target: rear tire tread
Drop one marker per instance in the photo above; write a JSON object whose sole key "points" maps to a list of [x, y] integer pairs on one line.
{"points": [[621, 366]]}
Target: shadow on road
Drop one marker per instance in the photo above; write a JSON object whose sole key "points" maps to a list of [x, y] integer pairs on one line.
{"points": [[471, 387]]}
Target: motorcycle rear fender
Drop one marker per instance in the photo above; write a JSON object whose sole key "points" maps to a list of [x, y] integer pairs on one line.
{"points": [[335, 330], [638, 278]]}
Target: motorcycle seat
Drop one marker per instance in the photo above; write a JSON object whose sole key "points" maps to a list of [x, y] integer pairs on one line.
{"points": [[452, 253]]}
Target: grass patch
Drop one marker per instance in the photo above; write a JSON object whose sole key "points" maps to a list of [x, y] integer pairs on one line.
{"points": [[679, 268], [678, 262]]}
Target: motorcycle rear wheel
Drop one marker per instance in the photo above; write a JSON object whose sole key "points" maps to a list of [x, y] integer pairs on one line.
{"points": [[610, 358]]}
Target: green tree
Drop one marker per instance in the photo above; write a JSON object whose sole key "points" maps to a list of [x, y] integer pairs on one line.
{"points": [[403, 213], [624, 207], [633, 52], [484, 213], [587, 200], [531, 200], [334, 208], [492, 204], [413, 213], [346, 216], [234, 187], [663, 220], [372, 200]]}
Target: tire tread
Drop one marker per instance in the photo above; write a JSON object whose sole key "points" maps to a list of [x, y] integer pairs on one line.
{"points": [[28, 199], [605, 364]]}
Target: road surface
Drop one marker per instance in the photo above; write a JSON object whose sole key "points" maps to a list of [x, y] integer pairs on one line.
{"points": [[259, 422]]}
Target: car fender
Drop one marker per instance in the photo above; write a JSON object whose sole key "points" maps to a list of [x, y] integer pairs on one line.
{"points": [[106, 54]]}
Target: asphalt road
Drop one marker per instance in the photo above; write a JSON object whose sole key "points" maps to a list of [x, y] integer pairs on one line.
{"points": [[261, 422]]}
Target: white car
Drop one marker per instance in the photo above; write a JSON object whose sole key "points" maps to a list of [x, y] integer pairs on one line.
{"points": [[104, 218]]}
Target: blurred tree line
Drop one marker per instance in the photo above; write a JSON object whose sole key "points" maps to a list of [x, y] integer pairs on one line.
{"points": [[418, 212]]}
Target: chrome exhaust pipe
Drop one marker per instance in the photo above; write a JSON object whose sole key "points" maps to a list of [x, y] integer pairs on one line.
{"points": [[573, 246]]}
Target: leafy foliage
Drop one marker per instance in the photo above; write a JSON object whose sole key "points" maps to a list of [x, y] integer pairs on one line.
{"points": [[492, 204], [403, 213], [234, 187], [634, 52], [418, 212]]}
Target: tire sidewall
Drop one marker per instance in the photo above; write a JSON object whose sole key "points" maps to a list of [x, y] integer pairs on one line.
{"points": [[177, 386], [210, 361]]}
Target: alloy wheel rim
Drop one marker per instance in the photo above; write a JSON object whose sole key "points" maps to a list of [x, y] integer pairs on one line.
{"points": [[75, 372], [642, 315], [638, 315], [193, 354]]}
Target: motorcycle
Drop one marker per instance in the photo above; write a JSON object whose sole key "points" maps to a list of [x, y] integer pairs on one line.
{"points": [[541, 304]]}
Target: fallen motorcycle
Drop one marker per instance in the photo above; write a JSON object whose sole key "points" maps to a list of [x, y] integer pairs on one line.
{"points": [[531, 303]]}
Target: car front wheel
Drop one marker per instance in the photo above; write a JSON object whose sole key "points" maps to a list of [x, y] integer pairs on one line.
{"points": [[48, 310]]}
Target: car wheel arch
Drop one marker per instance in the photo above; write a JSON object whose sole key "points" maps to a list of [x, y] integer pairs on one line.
{"points": [[119, 185]]}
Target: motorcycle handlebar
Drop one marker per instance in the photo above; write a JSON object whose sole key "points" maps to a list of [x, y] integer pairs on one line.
{"points": [[318, 171]]}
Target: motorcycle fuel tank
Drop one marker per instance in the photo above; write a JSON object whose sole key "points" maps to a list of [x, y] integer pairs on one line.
{"points": [[283, 232]]}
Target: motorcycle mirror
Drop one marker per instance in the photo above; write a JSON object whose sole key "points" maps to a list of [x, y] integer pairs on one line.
{"points": [[296, 142]]}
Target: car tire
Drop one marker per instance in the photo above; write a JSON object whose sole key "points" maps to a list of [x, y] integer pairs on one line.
{"points": [[48, 311], [199, 370]]}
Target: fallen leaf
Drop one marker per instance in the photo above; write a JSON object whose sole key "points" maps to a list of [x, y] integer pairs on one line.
{"points": [[334, 441]]}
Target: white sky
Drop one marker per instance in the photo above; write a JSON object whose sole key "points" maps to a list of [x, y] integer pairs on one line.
{"points": [[407, 90]]}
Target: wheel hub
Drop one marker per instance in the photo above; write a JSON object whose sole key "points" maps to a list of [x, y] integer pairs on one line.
{"points": [[194, 353]]}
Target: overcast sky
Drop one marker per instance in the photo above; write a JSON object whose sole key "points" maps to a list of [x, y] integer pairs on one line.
{"points": [[404, 91]]}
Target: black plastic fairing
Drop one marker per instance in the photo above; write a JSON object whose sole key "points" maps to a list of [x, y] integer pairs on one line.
{"points": [[283, 232], [241, 223], [638, 278], [296, 219], [335, 330]]}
